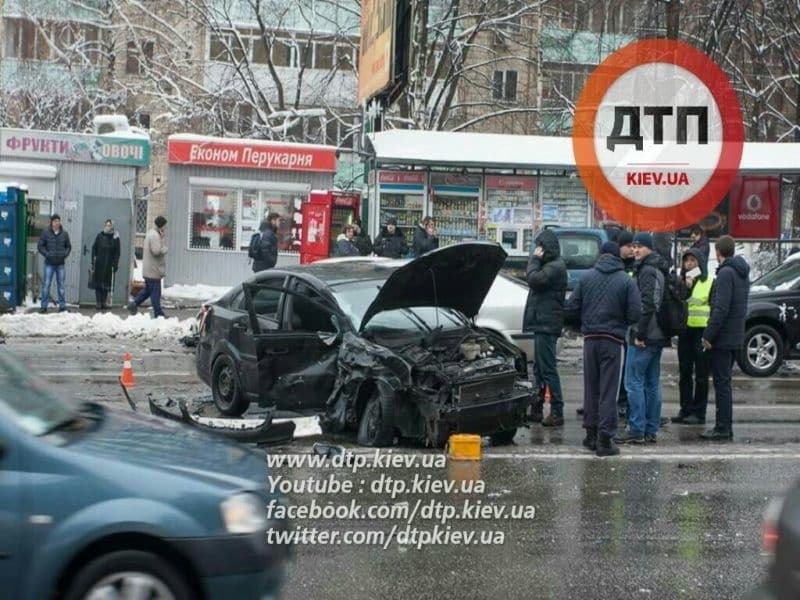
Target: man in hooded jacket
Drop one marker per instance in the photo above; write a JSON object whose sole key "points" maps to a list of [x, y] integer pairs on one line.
{"points": [[544, 316], [724, 335]]}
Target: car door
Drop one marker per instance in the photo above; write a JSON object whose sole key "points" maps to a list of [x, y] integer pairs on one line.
{"points": [[11, 529], [297, 362], [267, 303]]}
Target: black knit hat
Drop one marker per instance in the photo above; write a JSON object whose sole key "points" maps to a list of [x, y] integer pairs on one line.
{"points": [[624, 238], [54, 216]]}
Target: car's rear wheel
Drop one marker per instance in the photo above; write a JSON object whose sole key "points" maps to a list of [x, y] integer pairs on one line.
{"points": [[225, 388], [503, 438], [762, 353], [129, 574], [376, 428]]}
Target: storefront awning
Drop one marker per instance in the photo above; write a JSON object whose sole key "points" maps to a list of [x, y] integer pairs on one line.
{"points": [[502, 152], [39, 178]]}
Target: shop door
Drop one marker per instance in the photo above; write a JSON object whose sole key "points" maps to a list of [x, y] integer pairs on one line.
{"points": [[96, 210]]}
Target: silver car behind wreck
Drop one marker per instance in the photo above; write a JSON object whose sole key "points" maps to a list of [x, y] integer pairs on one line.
{"points": [[385, 351]]}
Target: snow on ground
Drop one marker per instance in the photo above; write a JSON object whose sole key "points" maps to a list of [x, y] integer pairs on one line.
{"points": [[199, 292], [98, 325]]}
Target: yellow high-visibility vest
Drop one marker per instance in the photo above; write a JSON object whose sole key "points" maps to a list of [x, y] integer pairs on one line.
{"points": [[698, 304]]}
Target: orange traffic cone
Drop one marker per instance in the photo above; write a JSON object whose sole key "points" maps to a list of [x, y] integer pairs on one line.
{"points": [[547, 394], [127, 372]]}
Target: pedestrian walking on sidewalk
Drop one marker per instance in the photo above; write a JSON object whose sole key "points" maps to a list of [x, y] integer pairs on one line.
{"points": [[608, 302], [55, 246], [544, 316], [154, 268], [724, 335], [645, 346], [693, 360], [105, 262]]}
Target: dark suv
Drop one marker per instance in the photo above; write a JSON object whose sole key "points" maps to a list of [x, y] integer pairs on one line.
{"points": [[773, 320]]}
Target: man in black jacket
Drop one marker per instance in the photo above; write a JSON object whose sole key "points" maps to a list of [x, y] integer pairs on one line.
{"points": [[724, 334], [646, 344], [391, 243], [425, 237], [544, 316], [361, 239], [700, 241], [55, 246], [267, 255], [607, 301]]}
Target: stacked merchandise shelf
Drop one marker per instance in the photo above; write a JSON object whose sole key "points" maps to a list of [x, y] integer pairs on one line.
{"points": [[406, 209], [456, 219]]}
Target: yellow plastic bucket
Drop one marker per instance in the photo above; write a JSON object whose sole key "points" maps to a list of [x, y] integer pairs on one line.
{"points": [[464, 446]]}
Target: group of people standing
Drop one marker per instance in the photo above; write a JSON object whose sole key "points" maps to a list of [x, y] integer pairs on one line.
{"points": [[55, 247], [618, 305], [390, 243]]}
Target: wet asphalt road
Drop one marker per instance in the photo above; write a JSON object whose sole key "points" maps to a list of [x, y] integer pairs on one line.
{"points": [[679, 519]]}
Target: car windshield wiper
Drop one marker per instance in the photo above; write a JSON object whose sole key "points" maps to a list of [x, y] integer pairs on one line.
{"points": [[62, 425]]}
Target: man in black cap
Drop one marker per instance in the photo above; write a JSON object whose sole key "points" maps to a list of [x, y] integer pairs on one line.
{"points": [[646, 344], [608, 303], [391, 242], [55, 246]]}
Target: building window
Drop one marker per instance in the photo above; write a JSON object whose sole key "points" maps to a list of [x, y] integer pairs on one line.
{"points": [[140, 213], [323, 58], [225, 219], [504, 86], [137, 58]]}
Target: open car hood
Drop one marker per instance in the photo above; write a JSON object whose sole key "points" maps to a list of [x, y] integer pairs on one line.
{"points": [[456, 277]]}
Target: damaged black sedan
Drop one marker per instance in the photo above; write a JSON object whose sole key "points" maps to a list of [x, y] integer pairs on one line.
{"points": [[384, 350]]}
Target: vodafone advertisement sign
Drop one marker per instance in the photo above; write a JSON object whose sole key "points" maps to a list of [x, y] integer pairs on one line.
{"points": [[755, 207], [658, 135]]}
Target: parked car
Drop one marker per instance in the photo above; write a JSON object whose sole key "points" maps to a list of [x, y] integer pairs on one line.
{"points": [[772, 332], [100, 503], [781, 540], [383, 349], [580, 247]]}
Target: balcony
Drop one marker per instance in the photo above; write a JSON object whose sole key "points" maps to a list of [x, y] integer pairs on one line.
{"points": [[16, 74], [56, 10]]}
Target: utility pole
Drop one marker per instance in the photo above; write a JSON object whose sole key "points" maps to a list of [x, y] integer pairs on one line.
{"points": [[673, 14]]}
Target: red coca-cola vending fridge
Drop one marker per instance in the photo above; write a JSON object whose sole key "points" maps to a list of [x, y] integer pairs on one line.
{"points": [[324, 215]]}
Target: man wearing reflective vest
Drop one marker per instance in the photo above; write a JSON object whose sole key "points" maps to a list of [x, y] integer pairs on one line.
{"points": [[693, 360]]}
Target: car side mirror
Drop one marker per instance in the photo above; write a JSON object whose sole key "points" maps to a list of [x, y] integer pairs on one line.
{"points": [[2, 450], [329, 338]]}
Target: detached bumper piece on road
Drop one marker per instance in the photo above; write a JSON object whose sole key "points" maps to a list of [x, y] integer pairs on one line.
{"points": [[246, 431]]}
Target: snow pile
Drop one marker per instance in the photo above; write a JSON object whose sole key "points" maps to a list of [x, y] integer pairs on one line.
{"points": [[198, 292], [98, 325]]}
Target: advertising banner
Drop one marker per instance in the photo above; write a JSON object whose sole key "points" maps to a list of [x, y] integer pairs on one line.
{"points": [[74, 147], [252, 155], [755, 207]]}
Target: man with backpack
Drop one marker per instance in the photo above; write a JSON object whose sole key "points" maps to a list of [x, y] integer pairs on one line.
{"points": [[646, 344], [263, 247]]}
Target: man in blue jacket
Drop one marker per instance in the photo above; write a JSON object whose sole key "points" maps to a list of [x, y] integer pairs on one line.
{"points": [[608, 302], [544, 316], [55, 246], [724, 334]]}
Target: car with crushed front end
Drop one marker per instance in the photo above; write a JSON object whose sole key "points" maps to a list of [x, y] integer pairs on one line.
{"points": [[103, 503], [387, 351], [772, 327]]}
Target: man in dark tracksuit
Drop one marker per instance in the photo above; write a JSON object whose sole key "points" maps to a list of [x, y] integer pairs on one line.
{"points": [[608, 303], [625, 242], [646, 344], [544, 316], [724, 335]]}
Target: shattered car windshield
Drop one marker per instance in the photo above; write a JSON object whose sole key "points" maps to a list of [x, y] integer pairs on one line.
{"points": [[783, 278], [355, 298], [27, 402]]}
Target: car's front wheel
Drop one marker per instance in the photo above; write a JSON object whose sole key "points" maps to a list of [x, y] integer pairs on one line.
{"points": [[225, 388], [503, 438], [762, 353], [376, 428], [129, 574]]}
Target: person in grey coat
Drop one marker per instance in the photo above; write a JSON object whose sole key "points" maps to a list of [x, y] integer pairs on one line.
{"points": [[154, 268], [607, 302], [55, 246]]}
